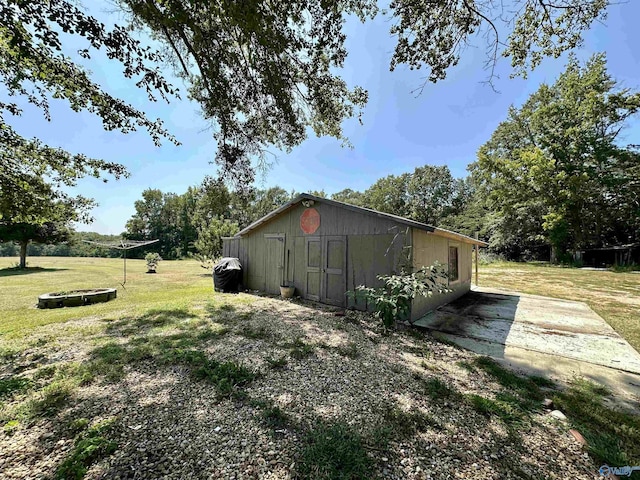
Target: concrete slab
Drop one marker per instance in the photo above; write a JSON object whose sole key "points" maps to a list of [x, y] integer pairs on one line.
{"points": [[546, 336]]}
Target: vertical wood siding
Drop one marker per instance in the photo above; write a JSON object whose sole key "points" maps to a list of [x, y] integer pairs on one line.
{"points": [[427, 249], [375, 246]]}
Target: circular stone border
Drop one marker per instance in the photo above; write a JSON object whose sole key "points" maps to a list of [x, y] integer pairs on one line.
{"points": [[76, 298]]}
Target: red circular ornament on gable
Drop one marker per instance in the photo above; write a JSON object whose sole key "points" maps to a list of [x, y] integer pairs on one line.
{"points": [[310, 220]]}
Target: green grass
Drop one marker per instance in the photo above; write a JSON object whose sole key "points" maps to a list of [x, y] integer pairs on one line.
{"points": [[178, 285], [519, 397], [508, 411], [277, 363], [613, 436], [109, 360], [397, 423], [88, 449], [256, 332], [165, 318], [227, 377], [300, 350], [526, 385], [78, 424], [350, 350], [13, 386], [274, 417], [333, 452], [437, 389], [47, 402], [174, 318], [613, 295]]}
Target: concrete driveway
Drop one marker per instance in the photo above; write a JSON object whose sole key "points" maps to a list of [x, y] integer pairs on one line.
{"points": [[548, 336]]}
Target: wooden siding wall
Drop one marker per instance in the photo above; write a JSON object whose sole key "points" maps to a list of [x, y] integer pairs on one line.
{"points": [[231, 247], [427, 249], [374, 246]]}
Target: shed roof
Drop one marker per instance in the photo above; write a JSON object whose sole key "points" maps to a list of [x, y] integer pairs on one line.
{"points": [[367, 211], [628, 246]]}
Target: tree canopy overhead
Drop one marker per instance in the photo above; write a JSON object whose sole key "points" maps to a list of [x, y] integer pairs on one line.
{"points": [[262, 72], [265, 71], [35, 68]]}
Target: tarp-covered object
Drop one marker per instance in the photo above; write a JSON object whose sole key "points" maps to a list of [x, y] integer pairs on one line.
{"points": [[227, 275]]}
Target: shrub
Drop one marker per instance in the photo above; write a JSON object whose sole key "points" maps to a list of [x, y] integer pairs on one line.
{"points": [[487, 257], [393, 301], [152, 260], [634, 267]]}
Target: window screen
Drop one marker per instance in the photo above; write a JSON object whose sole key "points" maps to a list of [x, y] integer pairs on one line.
{"points": [[453, 263]]}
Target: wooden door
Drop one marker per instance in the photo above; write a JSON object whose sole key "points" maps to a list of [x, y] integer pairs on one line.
{"points": [[334, 266], [313, 264], [273, 263]]}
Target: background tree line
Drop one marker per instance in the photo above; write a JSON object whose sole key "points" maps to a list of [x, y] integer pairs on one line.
{"points": [[554, 178], [554, 174]]}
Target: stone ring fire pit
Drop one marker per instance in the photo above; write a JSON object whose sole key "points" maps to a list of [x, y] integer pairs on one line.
{"points": [[76, 298]]}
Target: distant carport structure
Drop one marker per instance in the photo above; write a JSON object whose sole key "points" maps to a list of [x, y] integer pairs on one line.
{"points": [[620, 255], [124, 245]]}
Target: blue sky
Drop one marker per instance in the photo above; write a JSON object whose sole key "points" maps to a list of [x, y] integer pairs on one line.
{"points": [[444, 126]]}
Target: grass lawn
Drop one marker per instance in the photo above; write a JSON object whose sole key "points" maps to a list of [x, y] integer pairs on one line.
{"points": [[614, 296], [172, 380], [178, 285]]}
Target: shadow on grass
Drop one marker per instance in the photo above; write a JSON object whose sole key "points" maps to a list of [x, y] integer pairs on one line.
{"points": [[215, 309], [613, 436], [11, 271], [156, 318], [130, 343], [519, 398], [333, 451], [181, 344], [324, 448]]}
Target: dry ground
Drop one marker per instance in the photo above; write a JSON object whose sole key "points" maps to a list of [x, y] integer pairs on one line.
{"points": [[239, 386]]}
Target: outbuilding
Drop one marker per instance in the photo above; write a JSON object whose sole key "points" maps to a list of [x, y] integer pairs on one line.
{"points": [[325, 248], [620, 255]]}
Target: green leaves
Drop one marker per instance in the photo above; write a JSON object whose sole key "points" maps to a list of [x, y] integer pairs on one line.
{"points": [[152, 259], [434, 34], [555, 169], [393, 301], [33, 66], [261, 72], [210, 235], [429, 195]]}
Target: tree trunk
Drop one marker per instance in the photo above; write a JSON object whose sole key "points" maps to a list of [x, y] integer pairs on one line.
{"points": [[23, 254], [554, 254]]}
